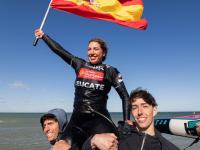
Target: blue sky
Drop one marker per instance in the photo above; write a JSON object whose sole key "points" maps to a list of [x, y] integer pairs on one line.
{"points": [[165, 59]]}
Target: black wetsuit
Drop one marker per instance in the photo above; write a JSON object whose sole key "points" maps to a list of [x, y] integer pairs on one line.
{"points": [[92, 85]]}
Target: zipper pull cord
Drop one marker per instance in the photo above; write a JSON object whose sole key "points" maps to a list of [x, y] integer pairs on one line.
{"points": [[143, 141]]}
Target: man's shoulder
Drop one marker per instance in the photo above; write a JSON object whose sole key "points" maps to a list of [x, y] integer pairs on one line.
{"points": [[130, 141], [126, 131], [166, 144]]}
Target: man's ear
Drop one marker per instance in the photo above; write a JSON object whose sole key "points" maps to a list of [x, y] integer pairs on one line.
{"points": [[155, 110]]}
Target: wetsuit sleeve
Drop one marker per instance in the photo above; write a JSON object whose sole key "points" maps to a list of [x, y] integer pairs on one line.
{"points": [[121, 90], [87, 144], [59, 50]]}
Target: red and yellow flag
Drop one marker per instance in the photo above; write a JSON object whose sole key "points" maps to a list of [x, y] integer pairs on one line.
{"points": [[124, 12]]}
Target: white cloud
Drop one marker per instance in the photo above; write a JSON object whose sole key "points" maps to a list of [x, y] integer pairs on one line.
{"points": [[18, 85]]}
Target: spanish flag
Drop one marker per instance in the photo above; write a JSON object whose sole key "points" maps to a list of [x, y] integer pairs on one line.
{"points": [[124, 12]]}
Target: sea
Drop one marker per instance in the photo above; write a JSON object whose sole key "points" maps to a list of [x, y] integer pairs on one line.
{"points": [[22, 131]]}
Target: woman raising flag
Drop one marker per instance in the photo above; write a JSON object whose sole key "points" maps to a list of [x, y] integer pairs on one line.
{"points": [[92, 85]]}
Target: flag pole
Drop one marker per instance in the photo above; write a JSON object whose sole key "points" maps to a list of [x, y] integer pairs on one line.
{"points": [[43, 21]]}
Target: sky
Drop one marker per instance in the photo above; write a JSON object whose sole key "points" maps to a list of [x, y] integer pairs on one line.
{"points": [[164, 59]]}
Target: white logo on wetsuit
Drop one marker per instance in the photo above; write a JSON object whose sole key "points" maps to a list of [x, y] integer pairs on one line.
{"points": [[119, 78], [99, 68], [89, 85]]}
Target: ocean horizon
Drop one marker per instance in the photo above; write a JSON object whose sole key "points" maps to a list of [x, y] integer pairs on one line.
{"points": [[22, 130]]}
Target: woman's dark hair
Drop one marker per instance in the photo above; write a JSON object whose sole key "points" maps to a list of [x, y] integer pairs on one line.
{"points": [[103, 45]]}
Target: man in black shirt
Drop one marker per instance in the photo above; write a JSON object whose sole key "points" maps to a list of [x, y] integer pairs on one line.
{"points": [[144, 136]]}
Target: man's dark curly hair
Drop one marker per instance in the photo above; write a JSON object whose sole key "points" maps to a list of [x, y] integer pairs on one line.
{"points": [[144, 94]]}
